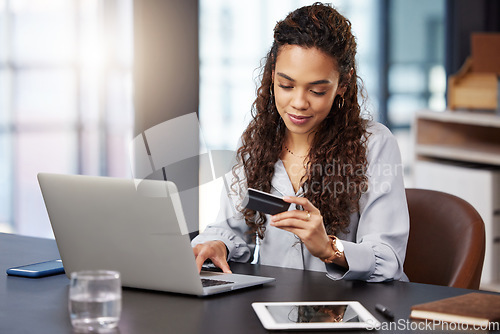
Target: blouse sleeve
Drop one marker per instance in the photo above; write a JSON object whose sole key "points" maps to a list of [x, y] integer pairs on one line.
{"points": [[379, 249], [230, 227]]}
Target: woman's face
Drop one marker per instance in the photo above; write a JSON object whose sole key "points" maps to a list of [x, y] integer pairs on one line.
{"points": [[306, 82]]}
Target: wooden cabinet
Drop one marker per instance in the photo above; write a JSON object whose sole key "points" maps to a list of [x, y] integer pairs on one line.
{"points": [[459, 153]]}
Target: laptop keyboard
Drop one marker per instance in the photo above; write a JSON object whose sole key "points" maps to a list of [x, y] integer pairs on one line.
{"points": [[213, 282]]}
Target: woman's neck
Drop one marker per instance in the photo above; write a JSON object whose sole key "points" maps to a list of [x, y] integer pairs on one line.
{"points": [[299, 144]]}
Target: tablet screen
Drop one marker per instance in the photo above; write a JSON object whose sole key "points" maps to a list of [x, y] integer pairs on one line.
{"points": [[312, 313]]}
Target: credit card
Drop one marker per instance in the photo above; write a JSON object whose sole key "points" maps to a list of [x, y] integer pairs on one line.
{"points": [[264, 202]]}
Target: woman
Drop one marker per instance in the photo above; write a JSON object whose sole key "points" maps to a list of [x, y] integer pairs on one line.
{"points": [[308, 142]]}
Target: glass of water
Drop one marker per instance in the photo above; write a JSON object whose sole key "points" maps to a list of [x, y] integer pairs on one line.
{"points": [[95, 300]]}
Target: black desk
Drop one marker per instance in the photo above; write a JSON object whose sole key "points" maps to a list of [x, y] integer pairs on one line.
{"points": [[40, 305]]}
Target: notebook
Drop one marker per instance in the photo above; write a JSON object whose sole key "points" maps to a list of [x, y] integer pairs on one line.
{"points": [[136, 227], [473, 309]]}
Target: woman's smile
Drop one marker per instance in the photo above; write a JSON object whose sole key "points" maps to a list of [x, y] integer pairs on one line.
{"points": [[298, 119]]}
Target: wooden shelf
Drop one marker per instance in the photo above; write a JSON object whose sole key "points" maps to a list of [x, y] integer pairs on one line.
{"points": [[482, 118], [462, 136], [481, 154]]}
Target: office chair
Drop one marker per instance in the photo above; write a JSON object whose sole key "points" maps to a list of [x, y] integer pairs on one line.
{"points": [[447, 240]]}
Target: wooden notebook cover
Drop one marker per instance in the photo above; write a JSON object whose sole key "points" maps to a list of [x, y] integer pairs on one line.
{"points": [[473, 305]]}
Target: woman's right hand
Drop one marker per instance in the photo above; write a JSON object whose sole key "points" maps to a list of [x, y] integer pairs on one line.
{"points": [[214, 250]]}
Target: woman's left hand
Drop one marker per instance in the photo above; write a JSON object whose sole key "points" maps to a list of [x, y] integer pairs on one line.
{"points": [[307, 225]]}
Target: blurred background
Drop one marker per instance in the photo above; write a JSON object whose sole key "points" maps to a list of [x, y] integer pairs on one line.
{"points": [[69, 102], [65, 99]]}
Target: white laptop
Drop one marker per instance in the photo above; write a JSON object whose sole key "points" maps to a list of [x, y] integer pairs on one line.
{"points": [[136, 227]]}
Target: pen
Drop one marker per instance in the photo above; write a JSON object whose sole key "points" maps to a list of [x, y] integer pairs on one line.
{"points": [[385, 311]]}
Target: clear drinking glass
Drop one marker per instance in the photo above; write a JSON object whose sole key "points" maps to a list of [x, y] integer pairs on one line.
{"points": [[95, 300]]}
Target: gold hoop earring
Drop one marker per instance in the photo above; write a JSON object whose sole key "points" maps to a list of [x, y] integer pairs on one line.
{"points": [[340, 102]]}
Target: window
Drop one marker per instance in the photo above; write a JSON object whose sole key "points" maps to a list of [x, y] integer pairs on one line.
{"points": [[416, 77], [66, 99]]}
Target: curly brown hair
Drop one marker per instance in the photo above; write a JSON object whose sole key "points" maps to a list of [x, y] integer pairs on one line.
{"points": [[339, 144]]}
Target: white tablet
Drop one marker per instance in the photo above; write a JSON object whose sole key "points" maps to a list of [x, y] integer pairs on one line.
{"points": [[315, 315]]}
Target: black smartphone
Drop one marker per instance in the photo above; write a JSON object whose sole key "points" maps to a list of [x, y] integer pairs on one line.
{"points": [[264, 202], [37, 270]]}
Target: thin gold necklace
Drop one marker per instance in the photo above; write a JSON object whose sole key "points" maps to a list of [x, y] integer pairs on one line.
{"points": [[298, 156]]}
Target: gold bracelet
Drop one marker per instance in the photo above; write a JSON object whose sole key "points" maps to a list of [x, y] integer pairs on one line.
{"points": [[336, 251]]}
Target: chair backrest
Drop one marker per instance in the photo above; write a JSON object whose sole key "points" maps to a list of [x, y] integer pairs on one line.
{"points": [[447, 240]]}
